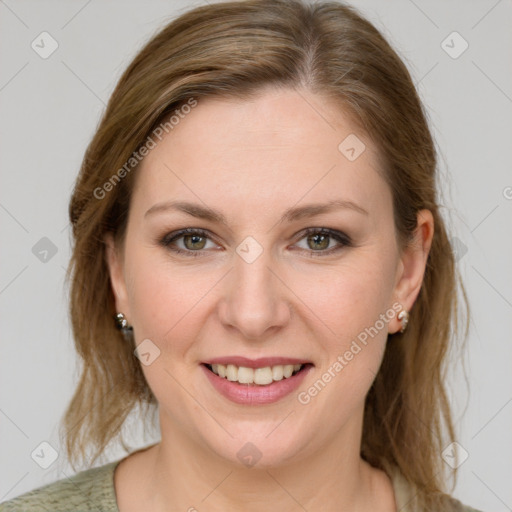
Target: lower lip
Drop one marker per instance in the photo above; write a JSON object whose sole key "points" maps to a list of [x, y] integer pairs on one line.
{"points": [[253, 394]]}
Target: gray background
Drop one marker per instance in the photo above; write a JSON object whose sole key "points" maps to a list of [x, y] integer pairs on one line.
{"points": [[49, 109]]}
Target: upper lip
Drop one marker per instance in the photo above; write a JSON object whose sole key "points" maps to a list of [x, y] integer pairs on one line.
{"points": [[255, 363]]}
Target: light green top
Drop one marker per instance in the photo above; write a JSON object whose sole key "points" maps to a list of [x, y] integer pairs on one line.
{"points": [[93, 490]]}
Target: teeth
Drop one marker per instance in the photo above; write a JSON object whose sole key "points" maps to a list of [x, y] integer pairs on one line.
{"points": [[259, 376], [287, 370], [231, 372], [262, 376], [277, 372], [245, 375]]}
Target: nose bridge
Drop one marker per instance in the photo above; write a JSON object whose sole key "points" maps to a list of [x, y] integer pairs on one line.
{"points": [[254, 301]]}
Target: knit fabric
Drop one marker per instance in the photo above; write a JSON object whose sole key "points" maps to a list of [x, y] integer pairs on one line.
{"points": [[93, 490]]}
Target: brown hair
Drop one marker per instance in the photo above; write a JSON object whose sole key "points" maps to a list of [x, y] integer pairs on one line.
{"points": [[234, 49]]}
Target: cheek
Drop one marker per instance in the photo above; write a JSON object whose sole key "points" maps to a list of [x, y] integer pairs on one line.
{"points": [[351, 307], [349, 297], [166, 300], [352, 303]]}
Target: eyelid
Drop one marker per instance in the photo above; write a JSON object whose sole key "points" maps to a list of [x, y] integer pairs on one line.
{"points": [[325, 231], [175, 235], [340, 237]]}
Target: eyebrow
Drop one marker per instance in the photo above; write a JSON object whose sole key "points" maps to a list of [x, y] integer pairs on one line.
{"points": [[290, 215]]}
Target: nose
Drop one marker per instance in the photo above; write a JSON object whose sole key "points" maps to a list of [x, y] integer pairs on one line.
{"points": [[254, 300]]}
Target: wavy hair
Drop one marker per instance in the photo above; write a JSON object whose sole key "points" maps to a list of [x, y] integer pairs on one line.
{"points": [[234, 49]]}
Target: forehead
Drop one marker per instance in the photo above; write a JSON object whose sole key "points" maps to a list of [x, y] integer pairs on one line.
{"points": [[274, 148]]}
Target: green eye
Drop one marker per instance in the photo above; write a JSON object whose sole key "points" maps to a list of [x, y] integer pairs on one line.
{"points": [[318, 242], [323, 241], [194, 242], [189, 242]]}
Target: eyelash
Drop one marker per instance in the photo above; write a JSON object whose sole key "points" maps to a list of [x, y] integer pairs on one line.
{"points": [[343, 239]]}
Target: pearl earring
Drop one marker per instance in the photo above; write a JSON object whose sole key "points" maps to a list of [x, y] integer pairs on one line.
{"points": [[122, 323], [404, 317]]}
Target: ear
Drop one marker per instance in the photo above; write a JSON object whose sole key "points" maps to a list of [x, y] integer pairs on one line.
{"points": [[116, 271], [411, 268]]}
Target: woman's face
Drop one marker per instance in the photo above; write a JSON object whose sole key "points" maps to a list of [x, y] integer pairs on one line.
{"points": [[296, 258]]}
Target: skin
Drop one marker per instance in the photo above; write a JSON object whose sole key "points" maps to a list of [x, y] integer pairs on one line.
{"points": [[252, 160]]}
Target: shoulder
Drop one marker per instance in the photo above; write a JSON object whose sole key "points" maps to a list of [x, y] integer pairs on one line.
{"points": [[405, 496], [92, 489]]}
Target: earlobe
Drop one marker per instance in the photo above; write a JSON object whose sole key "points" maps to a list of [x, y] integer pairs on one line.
{"points": [[412, 265], [116, 274]]}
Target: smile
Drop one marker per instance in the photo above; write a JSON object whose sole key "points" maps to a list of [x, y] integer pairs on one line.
{"points": [[258, 376], [257, 382]]}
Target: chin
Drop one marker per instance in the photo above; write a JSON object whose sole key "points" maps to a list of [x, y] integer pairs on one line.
{"points": [[247, 449]]}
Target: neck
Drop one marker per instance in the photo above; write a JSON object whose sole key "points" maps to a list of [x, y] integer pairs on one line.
{"points": [[184, 475]]}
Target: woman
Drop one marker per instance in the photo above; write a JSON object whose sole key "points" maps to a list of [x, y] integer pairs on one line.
{"points": [[258, 251]]}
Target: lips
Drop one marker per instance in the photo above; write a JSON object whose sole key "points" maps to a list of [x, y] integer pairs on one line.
{"points": [[255, 381]]}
